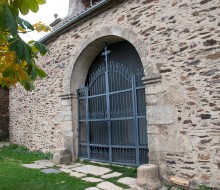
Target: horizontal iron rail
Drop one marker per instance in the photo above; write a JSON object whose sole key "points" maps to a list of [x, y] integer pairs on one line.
{"points": [[110, 93], [107, 119], [113, 119], [114, 146]]}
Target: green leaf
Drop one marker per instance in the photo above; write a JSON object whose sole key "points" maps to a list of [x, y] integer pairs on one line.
{"points": [[40, 1], [20, 22], [26, 85], [40, 47], [13, 44], [40, 72], [24, 7], [3, 37], [6, 72], [27, 24], [23, 51], [33, 74], [15, 6], [31, 42], [32, 86], [27, 52], [9, 73], [33, 6], [11, 21]]}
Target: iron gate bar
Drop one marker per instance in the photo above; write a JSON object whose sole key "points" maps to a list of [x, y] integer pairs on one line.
{"points": [[87, 121], [107, 119], [113, 146], [135, 118], [105, 53]]}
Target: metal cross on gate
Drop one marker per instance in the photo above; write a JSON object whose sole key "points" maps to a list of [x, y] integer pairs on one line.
{"points": [[105, 53]]}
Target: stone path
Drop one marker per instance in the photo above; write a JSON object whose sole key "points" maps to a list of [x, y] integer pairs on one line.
{"points": [[90, 173]]}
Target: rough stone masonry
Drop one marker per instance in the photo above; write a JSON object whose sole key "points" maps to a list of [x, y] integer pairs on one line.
{"points": [[178, 42]]}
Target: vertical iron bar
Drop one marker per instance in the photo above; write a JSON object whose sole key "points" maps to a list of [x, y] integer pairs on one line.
{"points": [[106, 52], [87, 121], [134, 97], [78, 122]]}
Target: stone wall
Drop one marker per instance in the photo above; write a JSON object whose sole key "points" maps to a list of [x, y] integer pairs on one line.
{"points": [[4, 114], [179, 45]]}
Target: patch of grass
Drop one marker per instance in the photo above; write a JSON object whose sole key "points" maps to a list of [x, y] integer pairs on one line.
{"points": [[15, 177], [202, 187], [23, 153]]}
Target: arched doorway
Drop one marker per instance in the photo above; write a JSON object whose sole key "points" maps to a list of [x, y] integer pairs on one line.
{"points": [[112, 109]]}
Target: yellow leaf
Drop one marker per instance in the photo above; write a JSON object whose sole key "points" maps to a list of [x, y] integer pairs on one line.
{"points": [[21, 29], [22, 75], [39, 28]]}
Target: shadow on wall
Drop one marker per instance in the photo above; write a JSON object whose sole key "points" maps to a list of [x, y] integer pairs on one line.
{"points": [[4, 114]]}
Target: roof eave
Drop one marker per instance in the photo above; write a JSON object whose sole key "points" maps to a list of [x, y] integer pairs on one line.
{"points": [[63, 28]]}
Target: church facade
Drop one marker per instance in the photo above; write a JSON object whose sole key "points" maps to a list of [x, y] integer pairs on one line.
{"points": [[130, 82]]}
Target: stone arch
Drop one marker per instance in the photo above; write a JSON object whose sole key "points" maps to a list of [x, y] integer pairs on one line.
{"points": [[84, 57]]}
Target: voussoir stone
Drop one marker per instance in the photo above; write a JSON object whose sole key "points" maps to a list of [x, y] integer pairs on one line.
{"points": [[148, 177]]}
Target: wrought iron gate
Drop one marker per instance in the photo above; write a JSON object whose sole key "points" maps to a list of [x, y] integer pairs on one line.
{"points": [[112, 116]]}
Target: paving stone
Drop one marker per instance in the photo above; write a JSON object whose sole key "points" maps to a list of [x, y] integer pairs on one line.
{"points": [[50, 171], [136, 188], [108, 186], [76, 174], [34, 166], [46, 163], [128, 181], [92, 179], [115, 174], [100, 163], [65, 170], [92, 188], [71, 166], [94, 170], [4, 144]]}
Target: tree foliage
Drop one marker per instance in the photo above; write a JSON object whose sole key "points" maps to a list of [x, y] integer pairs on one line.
{"points": [[18, 58]]}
